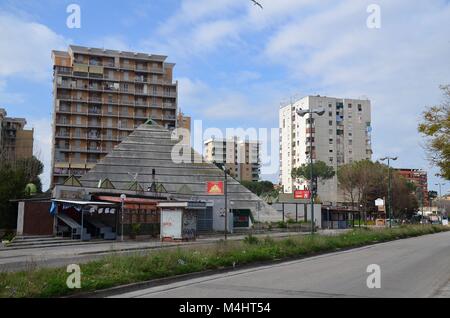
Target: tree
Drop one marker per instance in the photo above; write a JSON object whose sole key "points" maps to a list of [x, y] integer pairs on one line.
{"points": [[364, 181], [431, 196], [258, 187], [321, 172], [435, 126], [14, 176]]}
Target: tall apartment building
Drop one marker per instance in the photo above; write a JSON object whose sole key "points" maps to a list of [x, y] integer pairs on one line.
{"points": [[420, 179], [341, 135], [100, 97], [16, 142], [242, 158]]}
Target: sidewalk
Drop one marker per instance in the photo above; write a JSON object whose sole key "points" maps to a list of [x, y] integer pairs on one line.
{"points": [[55, 256]]}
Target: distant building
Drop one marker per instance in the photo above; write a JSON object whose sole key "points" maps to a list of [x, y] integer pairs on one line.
{"points": [[184, 122], [420, 179], [16, 142], [242, 158], [340, 136], [100, 97]]}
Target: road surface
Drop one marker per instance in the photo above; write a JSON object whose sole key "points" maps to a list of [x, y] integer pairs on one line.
{"points": [[415, 267]]}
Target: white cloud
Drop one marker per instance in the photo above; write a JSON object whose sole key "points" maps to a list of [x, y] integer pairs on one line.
{"points": [[42, 145], [25, 48]]}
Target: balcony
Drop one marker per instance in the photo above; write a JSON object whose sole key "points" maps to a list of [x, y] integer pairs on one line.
{"points": [[63, 123], [79, 136], [95, 99], [62, 135], [170, 94]]}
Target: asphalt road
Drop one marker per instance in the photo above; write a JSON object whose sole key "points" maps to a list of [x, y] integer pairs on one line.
{"points": [[415, 267]]}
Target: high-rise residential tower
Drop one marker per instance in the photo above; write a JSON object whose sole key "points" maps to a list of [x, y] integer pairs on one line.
{"points": [[341, 135], [242, 158], [16, 142], [100, 97]]}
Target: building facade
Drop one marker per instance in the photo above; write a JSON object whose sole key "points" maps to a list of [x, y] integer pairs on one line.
{"points": [[184, 122], [100, 97], [16, 142], [420, 180], [340, 136], [242, 158]]}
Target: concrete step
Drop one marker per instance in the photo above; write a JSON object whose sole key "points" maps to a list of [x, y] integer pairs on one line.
{"points": [[36, 239], [39, 242], [33, 237], [54, 244]]}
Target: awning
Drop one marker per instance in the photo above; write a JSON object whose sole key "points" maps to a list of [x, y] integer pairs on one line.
{"points": [[96, 206], [131, 203], [84, 203]]}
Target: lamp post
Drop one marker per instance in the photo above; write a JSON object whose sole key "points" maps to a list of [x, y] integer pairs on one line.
{"points": [[123, 197], [440, 184], [328, 217], [389, 185], [302, 113], [225, 185]]}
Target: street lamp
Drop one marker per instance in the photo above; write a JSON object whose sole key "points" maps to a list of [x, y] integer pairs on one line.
{"points": [[226, 171], [302, 113], [440, 184], [123, 197], [389, 185]]}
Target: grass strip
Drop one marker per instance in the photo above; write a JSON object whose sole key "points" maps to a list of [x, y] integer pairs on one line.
{"points": [[117, 270]]}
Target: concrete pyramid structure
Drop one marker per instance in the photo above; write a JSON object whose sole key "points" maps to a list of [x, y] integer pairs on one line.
{"points": [[150, 148]]}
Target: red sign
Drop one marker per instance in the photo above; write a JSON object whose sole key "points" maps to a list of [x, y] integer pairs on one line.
{"points": [[214, 188], [302, 194]]}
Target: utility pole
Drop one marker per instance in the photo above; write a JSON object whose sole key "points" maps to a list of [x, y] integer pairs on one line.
{"points": [[226, 201], [123, 197], [302, 113], [389, 186]]}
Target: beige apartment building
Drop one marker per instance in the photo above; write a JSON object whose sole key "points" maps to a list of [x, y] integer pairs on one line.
{"points": [[100, 97], [16, 142], [340, 136], [242, 158]]}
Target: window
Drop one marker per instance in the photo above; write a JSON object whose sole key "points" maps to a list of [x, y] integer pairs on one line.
{"points": [[330, 114], [330, 123], [330, 151], [359, 107], [350, 142], [349, 106], [330, 141]]}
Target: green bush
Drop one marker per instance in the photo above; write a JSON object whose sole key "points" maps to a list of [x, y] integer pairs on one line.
{"points": [[250, 239]]}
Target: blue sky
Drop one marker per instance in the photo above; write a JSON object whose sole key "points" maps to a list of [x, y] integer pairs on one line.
{"points": [[236, 63]]}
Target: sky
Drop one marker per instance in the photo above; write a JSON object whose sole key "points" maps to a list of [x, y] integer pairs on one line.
{"points": [[236, 62]]}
